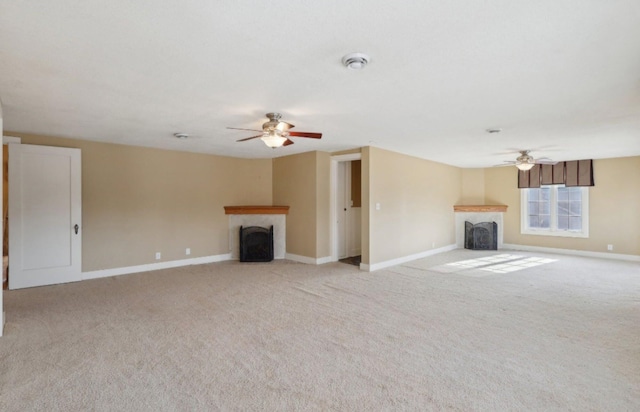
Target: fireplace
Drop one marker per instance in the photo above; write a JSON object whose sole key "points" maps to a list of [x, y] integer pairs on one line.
{"points": [[263, 216], [256, 244], [478, 214], [481, 236]]}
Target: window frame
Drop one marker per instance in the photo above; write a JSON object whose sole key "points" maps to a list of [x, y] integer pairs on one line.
{"points": [[553, 229]]}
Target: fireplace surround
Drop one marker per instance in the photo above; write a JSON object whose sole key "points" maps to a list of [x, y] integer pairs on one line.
{"points": [[263, 216], [477, 214]]}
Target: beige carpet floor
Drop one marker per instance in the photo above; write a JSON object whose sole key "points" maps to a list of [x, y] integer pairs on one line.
{"points": [[563, 335]]}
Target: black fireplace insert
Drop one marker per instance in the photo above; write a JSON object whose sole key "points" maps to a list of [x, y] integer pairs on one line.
{"points": [[481, 236], [256, 244]]}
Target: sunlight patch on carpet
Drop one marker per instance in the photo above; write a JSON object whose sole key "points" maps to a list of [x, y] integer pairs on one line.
{"points": [[488, 265], [484, 261], [516, 265]]}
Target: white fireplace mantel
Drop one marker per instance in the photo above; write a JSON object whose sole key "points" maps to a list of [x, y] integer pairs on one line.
{"points": [[478, 214]]}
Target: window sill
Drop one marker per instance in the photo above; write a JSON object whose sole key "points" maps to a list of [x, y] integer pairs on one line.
{"points": [[556, 233]]}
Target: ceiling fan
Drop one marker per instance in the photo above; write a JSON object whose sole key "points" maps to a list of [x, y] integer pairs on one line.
{"points": [[276, 133], [526, 162]]}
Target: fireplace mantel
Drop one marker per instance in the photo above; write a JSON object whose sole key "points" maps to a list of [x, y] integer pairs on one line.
{"points": [[256, 210], [480, 208]]}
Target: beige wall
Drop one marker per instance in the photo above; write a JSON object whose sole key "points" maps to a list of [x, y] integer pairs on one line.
{"points": [[294, 185], [323, 204], [138, 201], [416, 199], [302, 182], [472, 187], [614, 203]]}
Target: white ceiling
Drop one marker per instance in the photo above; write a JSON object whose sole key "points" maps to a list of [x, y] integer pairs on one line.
{"points": [[560, 77]]}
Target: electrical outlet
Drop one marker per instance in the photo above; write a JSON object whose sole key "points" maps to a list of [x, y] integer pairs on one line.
{"points": [[158, 255], [188, 251], [609, 247], [377, 206]]}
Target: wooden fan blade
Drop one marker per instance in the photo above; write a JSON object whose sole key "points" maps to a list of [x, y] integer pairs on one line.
{"points": [[250, 130], [287, 142], [284, 126], [306, 134], [249, 138]]}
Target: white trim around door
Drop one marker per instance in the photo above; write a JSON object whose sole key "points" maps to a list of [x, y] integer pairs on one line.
{"points": [[334, 199]]}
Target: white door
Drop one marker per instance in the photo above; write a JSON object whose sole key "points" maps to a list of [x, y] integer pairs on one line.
{"points": [[45, 237]]}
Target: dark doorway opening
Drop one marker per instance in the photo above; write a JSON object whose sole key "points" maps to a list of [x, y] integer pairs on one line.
{"points": [[353, 260]]}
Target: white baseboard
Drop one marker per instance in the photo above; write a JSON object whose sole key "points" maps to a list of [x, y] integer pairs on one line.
{"points": [[308, 260], [602, 255], [323, 260], [404, 259], [95, 274]]}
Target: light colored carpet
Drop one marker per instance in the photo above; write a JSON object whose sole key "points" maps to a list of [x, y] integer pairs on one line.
{"points": [[564, 335]]}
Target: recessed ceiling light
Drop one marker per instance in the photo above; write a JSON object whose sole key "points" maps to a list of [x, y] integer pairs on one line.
{"points": [[181, 135], [356, 61], [496, 130]]}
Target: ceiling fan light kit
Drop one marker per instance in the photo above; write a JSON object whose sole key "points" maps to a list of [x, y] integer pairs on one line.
{"points": [[525, 166], [275, 133], [356, 61], [273, 140], [526, 162], [274, 130]]}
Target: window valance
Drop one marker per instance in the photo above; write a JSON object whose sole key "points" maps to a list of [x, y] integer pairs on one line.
{"points": [[571, 174]]}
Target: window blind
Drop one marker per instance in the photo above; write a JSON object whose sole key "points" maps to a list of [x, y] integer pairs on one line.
{"points": [[571, 174]]}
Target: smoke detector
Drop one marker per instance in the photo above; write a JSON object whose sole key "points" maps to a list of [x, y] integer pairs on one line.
{"points": [[181, 135], [356, 61]]}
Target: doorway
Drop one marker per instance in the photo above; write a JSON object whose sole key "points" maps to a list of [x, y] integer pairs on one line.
{"points": [[346, 210]]}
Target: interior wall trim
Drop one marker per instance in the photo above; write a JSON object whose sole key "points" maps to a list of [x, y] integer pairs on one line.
{"points": [[586, 253], [405, 259], [104, 273], [308, 260]]}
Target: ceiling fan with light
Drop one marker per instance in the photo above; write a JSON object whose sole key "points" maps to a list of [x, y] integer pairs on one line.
{"points": [[526, 162], [275, 133]]}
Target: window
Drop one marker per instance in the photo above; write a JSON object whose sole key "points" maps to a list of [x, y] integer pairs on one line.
{"points": [[555, 211]]}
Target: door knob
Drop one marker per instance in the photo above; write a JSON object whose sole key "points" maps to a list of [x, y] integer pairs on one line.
{"points": [[76, 227]]}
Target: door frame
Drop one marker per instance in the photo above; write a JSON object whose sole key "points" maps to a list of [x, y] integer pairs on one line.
{"points": [[5, 140], [333, 198]]}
